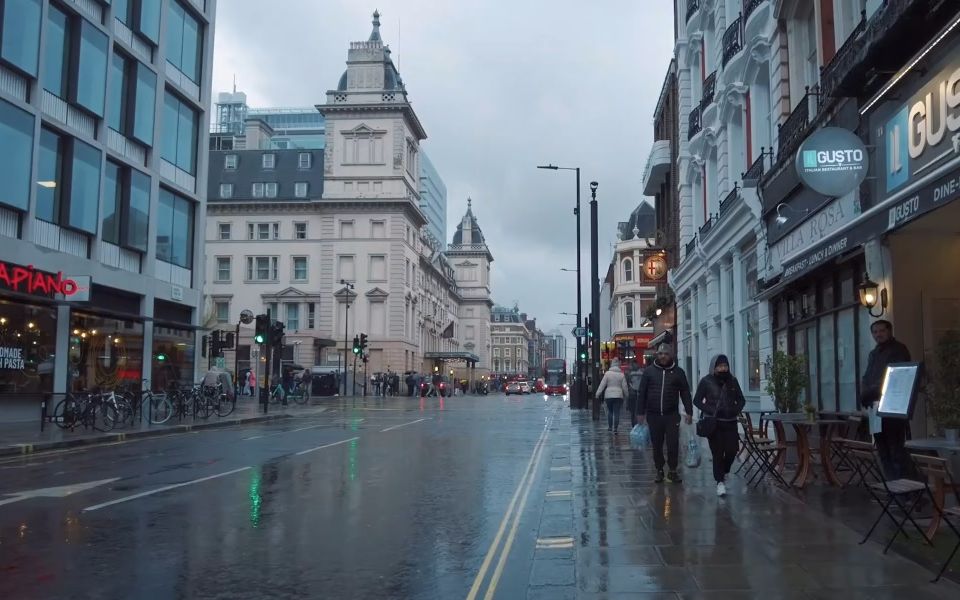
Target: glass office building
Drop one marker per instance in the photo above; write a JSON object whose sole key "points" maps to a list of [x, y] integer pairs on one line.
{"points": [[102, 106]]}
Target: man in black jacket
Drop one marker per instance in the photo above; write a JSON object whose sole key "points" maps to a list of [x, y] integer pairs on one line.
{"points": [[891, 440], [662, 387]]}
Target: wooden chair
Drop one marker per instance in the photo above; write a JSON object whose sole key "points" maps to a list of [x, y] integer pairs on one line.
{"points": [[933, 468], [763, 456], [841, 450], [746, 425], [902, 494]]}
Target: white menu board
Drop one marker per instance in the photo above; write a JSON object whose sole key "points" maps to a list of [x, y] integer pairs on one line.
{"points": [[899, 387]]}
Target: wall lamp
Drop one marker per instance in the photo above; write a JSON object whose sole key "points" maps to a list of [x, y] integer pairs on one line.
{"points": [[782, 219], [870, 294]]}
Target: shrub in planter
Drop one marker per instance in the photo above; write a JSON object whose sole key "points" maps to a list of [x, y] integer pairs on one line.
{"points": [[786, 381]]}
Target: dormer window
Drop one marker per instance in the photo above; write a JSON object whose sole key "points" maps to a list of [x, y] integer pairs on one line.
{"points": [[269, 160]]}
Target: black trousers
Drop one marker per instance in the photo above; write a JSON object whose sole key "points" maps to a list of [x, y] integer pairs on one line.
{"points": [[890, 446], [665, 428], [724, 445]]}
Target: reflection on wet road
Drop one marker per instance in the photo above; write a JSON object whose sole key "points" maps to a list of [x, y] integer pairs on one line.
{"points": [[396, 498]]}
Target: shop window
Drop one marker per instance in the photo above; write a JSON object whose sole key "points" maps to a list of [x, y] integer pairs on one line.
{"points": [[828, 362], [126, 206], [311, 315], [847, 360], [628, 314], [826, 294], [848, 293], [184, 41], [753, 348], [20, 34], [173, 351], [104, 352], [28, 341], [16, 145]]}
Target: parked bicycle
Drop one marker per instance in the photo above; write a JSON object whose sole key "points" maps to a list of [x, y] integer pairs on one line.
{"points": [[89, 410]]}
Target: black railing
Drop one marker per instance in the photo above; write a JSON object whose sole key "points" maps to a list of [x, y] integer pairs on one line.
{"points": [[694, 124], [709, 89], [749, 6], [691, 247], [706, 227], [728, 201], [791, 131], [755, 172], [692, 7], [732, 40], [847, 55]]}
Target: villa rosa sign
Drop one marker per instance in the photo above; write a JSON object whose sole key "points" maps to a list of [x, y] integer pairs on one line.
{"points": [[832, 161]]}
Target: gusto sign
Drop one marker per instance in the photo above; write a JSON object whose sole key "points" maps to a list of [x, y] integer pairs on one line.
{"points": [[29, 280]]}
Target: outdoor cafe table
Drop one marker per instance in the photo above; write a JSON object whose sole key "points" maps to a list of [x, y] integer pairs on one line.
{"points": [[944, 449], [802, 425]]}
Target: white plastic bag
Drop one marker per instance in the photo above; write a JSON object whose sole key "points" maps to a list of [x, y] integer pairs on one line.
{"points": [[692, 458], [640, 436], [873, 419]]}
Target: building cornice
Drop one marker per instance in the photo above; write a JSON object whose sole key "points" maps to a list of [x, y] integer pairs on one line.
{"points": [[403, 108]]}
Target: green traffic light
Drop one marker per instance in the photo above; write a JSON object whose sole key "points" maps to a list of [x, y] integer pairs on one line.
{"points": [[161, 357], [356, 350], [259, 339]]}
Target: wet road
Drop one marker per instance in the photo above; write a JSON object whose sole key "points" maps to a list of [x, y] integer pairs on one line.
{"points": [[395, 498]]}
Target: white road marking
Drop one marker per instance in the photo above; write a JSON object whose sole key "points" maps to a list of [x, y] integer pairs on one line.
{"points": [[255, 437], [402, 425], [162, 489], [302, 452], [60, 491], [554, 543], [331, 424]]}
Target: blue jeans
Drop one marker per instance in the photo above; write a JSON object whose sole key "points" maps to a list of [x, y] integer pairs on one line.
{"points": [[613, 412]]}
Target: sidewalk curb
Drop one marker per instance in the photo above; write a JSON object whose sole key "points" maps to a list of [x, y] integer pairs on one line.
{"points": [[111, 438]]}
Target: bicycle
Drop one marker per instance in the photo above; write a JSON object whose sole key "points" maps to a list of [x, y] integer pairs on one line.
{"points": [[160, 409], [92, 411]]}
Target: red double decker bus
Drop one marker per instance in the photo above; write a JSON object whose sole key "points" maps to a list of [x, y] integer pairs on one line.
{"points": [[555, 376]]}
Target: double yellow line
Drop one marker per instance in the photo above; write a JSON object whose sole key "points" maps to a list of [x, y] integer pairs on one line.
{"points": [[514, 511]]}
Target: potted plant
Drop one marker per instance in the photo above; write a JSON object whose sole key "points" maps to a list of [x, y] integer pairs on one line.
{"points": [[945, 384], [786, 381]]}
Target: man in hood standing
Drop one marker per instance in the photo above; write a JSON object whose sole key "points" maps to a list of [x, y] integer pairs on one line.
{"points": [[663, 386], [890, 441]]}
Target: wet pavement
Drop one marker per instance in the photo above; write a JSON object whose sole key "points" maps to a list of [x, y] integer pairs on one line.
{"points": [[467, 497]]}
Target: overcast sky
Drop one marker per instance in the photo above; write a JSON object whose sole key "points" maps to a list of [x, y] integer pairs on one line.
{"points": [[500, 87]]}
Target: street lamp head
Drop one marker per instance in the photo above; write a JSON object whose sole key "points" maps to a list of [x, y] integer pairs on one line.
{"points": [[552, 167], [593, 186]]}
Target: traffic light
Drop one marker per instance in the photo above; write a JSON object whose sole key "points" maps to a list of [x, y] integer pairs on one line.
{"points": [[262, 330], [356, 345], [363, 343], [161, 357], [276, 333], [215, 347], [583, 355]]}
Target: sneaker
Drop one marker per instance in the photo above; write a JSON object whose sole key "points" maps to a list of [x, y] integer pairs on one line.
{"points": [[659, 478], [721, 489], [673, 477]]}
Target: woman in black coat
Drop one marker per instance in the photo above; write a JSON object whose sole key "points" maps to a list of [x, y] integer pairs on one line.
{"points": [[719, 397]]}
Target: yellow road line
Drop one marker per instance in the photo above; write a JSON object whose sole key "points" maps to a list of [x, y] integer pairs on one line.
{"points": [[482, 573], [498, 572]]}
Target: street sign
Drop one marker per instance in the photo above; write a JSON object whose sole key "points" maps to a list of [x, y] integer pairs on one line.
{"points": [[579, 331]]}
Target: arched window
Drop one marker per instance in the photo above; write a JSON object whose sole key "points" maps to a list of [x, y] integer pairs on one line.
{"points": [[628, 314], [627, 269]]}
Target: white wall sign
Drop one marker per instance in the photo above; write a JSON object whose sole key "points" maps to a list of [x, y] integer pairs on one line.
{"points": [[823, 223], [176, 292]]}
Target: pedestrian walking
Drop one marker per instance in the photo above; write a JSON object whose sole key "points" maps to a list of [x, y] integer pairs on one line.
{"points": [[248, 383], [720, 399], [892, 437], [662, 387], [613, 389], [633, 383]]}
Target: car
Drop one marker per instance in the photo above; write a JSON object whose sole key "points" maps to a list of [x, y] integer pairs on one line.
{"points": [[513, 388], [525, 387]]}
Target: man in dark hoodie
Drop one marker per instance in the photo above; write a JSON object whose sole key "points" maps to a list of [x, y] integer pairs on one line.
{"points": [[719, 397], [891, 440], [662, 387]]}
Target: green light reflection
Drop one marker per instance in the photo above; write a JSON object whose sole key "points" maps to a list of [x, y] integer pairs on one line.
{"points": [[255, 499]]}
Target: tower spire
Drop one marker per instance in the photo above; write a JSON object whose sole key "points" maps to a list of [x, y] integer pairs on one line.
{"points": [[375, 34]]}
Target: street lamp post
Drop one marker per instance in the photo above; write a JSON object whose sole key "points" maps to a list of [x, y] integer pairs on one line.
{"points": [[579, 397], [594, 298], [346, 331]]}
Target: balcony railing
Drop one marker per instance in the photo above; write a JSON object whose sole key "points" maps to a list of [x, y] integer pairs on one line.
{"points": [[755, 172], [691, 247], [709, 89], [733, 40], [692, 7], [833, 73], [749, 6], [694, 124], [706, 227], [791, 131], [730, 199]]}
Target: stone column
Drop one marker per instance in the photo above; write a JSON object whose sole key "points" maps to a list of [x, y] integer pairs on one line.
{"points": [[739, 324], [713, 312], [726, 289]]}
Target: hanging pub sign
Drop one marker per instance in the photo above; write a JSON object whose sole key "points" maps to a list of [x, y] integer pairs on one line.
{"points": [[28, 280], [832, 161], [655, 267]]}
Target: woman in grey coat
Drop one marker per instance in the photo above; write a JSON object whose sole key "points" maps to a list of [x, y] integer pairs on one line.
{"points": [[613, 389]]}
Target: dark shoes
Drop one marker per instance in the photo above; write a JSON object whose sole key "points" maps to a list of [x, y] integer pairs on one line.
{"points": [[659, 478], [674, 477]]}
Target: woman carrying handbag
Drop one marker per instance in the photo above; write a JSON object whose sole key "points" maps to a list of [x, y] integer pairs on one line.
{"points": [[720, 401]]}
